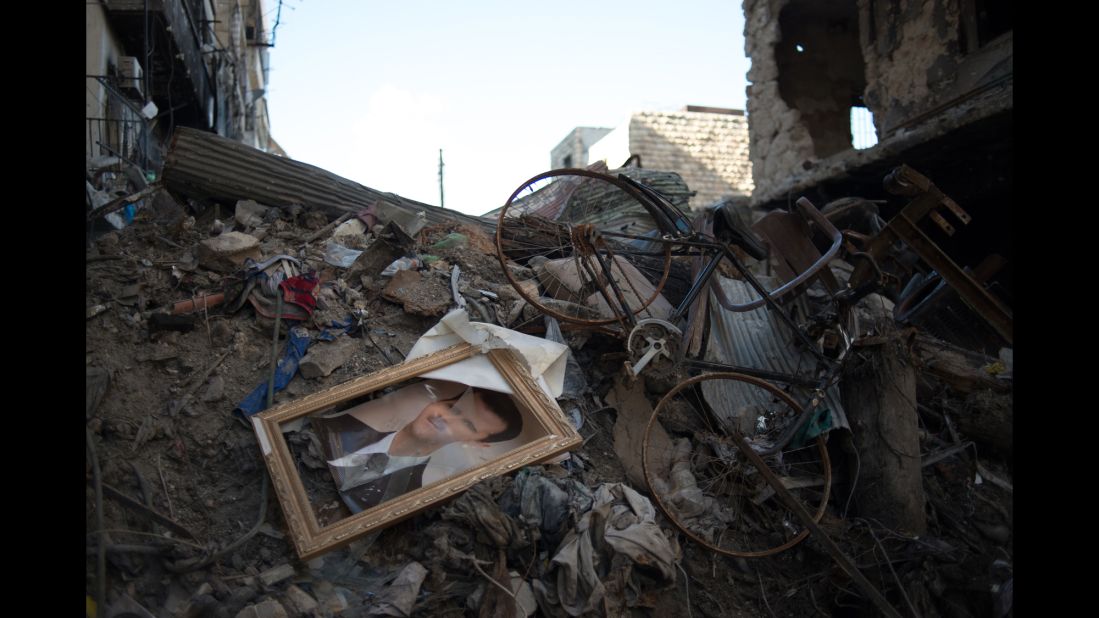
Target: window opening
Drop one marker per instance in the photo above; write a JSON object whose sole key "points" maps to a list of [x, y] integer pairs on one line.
{"points": [[863, 134]]}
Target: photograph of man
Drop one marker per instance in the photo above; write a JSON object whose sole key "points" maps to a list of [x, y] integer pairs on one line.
{"points": [[371, 466]]}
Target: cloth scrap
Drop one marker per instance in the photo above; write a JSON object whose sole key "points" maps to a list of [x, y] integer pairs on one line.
{"points": [[620, 522], [399, 597], [301, 291], [337, 328], [631, 528], [476, 509], [538, 503], [292, 354]]}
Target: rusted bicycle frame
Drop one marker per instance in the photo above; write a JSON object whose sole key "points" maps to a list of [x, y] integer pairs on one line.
{"points": [[697, 244]]}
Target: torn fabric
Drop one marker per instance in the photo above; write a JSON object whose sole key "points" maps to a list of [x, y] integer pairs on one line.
{"points": [[476, 509], [538, 503], [399, 597], [287, 366], [621, 521]]}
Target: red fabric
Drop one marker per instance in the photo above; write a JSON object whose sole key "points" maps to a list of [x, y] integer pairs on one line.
{"points": [[301, 291]]}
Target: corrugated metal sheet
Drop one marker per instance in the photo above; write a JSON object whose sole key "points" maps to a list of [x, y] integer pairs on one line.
{"points": [[549, 201], [612, 209], [757, 339], [205, 165]]}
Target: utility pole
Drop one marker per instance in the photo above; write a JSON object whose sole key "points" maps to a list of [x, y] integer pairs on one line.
{"points": [[441, 203]]}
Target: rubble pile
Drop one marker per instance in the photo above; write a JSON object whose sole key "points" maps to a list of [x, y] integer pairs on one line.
{"points": [[203, 310]]}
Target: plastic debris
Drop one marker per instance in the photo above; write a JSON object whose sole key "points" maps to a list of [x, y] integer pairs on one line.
{"points": [[399, 597], [340, 256], [453, 240], [404, 263]]}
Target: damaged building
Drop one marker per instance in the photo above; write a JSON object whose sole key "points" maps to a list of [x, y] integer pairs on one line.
{"points": [[706, 146], [155, 66], [937, 79]]}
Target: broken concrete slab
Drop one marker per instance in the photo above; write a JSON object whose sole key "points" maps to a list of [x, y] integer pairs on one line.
{"points": [[377, 256], [226, 253], [267, 609], [300, 601], [274, 575], [323, 358], [351, 234], [420, 295], [250, 213]]}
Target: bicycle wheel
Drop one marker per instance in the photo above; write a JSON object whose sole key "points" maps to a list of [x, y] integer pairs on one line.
{"points": [[708, 488], [588, 250]]}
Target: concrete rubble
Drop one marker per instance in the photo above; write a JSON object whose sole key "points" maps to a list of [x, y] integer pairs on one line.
{"points": [[239, 280], [261, 576]]}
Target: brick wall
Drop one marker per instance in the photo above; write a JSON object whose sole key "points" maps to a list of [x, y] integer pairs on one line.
{"points": [[709, 150]]}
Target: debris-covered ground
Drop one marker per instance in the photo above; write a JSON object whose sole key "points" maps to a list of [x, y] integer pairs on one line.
{"points": [[188, 526]]}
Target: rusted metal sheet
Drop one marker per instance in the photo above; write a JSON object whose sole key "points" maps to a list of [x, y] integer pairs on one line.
{"points": [[926, 199], [759, 340], [550, 201], [204, 165]]}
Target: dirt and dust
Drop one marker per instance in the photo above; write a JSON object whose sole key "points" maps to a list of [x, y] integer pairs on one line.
{"points": [[163, 435]]}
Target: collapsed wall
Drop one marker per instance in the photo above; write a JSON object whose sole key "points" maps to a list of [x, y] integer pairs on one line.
{"points": [[906, 62]]}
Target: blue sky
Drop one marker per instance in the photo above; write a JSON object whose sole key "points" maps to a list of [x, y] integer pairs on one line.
{"points": [[372, 90]]}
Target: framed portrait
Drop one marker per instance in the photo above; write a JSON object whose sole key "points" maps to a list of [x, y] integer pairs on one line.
{"points": [[365, 454]]}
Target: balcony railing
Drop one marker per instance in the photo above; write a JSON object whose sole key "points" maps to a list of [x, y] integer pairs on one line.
{"points": [[119, 129]]}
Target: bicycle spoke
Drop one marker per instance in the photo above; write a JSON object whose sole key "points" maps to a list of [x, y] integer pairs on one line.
{"points": [[710, 490], [553, 213]]}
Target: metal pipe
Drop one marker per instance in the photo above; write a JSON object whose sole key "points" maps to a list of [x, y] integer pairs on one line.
{"points": [[837, 240], [275, 349], [700, 281]]}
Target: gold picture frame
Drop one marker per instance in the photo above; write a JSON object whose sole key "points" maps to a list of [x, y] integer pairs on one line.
{"points": [[311, 538]]}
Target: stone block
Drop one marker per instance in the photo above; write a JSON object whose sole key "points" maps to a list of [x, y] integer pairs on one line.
{"points": [[300, 601], [226, 253], [427, 296], [351, 233], [323, 358], [267, 609], [250, 213]]}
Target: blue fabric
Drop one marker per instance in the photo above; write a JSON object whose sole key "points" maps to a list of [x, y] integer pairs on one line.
{"points": [[287, 366], [338, 327]]}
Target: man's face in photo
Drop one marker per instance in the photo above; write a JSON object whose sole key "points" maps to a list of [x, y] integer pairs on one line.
{"points": [[466, 419]]}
